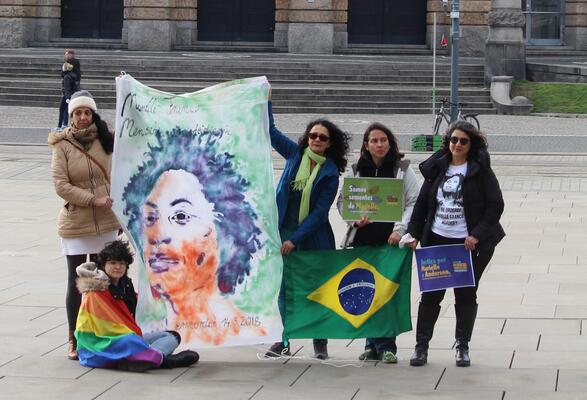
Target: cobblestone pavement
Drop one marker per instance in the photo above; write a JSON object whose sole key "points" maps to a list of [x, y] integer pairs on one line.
{"points": [[528, 341]]}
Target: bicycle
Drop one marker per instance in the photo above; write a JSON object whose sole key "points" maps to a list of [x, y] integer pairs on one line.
{"points": [[442, 116]]}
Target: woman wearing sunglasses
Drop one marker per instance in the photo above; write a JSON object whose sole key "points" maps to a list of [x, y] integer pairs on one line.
{"points": [[459, 202], [381, 158], [305, 193]]}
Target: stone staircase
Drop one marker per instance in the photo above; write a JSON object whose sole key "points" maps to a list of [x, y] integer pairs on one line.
{"points": [[335, 84], [553, 51]]}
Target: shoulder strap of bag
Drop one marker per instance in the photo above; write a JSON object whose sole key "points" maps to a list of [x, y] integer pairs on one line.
{"points": [[93, 159]]}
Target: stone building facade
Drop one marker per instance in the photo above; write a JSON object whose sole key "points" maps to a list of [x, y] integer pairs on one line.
{"points": [[297, 26]]}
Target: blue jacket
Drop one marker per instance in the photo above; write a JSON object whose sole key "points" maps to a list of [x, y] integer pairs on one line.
{"points": [[315, 232]]}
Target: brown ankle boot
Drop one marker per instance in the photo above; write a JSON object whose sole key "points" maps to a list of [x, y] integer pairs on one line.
{"points": [[72, 347]]}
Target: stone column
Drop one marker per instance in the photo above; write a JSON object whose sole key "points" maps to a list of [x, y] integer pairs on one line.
{"points": [[505, 50], [576, 24], [159, 25], [312, 26]]}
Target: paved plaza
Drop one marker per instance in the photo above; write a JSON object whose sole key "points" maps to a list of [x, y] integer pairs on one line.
{"points": [[506, 133], [528, 343]]}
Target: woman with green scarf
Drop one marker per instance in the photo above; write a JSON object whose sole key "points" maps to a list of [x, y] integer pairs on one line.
{"points": [[305, 193]]}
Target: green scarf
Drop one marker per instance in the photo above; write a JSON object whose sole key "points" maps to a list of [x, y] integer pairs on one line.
{"points": [[304, 180]]}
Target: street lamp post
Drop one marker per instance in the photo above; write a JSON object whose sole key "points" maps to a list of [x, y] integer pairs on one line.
{"points": [[454, 67]]}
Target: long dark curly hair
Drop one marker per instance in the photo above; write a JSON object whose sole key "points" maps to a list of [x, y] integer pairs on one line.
{"points": [[478, 141], [339, 142]]}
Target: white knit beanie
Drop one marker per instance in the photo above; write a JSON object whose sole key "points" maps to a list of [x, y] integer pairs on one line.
{"points": [[83, 98]]}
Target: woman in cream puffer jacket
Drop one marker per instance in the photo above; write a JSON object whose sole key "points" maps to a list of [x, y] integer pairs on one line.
{"points": [[80, 166]]}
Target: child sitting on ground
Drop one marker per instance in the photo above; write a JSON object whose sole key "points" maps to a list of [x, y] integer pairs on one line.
{"points": [[106, 331]]}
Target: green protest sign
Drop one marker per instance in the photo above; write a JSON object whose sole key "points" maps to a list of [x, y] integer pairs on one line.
{"points": [[381, 199]]}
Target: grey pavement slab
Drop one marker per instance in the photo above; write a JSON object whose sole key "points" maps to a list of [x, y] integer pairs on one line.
{"points": [[261, 372], [299, 392], [539, 380], [193, 390], [542, 327], [531, 395], [550, 359], [32, 366], [572, 380], [563, 343], [571, 311], [48, 388], [462, 394], [402, 379]]}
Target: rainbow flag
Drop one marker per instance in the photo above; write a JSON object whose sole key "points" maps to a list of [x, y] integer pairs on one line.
{"points": [[106, 333]]}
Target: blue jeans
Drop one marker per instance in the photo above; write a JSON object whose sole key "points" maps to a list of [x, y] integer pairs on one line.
{"points": [[163, 341], [382, 344]]}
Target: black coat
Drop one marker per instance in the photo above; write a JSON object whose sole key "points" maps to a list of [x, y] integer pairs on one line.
{"points": [[76, 71], [69, 85], [125, 290], [482, 198]]}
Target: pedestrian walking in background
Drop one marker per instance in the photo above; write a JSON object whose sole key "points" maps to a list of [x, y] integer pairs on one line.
{"points": [[74, 67], [71, 75], [305, 193], [460, 202], [380, 157], [80, 169], [67, 89]]}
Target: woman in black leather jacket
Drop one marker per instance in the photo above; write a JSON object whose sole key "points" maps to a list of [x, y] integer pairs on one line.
{"points": [[459, 202]]}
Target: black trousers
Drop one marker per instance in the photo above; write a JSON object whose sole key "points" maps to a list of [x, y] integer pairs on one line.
{"points": [[465, 296], [73, 298]]}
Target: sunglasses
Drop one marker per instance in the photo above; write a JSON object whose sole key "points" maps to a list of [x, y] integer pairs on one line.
{"points": [[320, 137], [455, 140]]}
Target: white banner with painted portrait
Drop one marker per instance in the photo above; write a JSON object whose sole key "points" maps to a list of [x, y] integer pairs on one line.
{"points": [[193, 187]]}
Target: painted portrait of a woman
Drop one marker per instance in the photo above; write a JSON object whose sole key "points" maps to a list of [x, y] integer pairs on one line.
{"points": [[197, 232]]}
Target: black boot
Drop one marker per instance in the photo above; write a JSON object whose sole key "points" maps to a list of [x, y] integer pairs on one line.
{"points": [[321, 349], [278, 349], [182, 359], [466, 315], [427, 316], [462, 354]]}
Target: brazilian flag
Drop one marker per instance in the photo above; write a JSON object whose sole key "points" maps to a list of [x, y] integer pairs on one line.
{"points": [[344, 294]]}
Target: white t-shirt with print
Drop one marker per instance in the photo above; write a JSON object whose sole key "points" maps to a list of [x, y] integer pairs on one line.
{"points": [[449, 220]]}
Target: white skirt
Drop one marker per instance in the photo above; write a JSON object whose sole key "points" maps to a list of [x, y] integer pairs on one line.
{"points": [[86, 244]]}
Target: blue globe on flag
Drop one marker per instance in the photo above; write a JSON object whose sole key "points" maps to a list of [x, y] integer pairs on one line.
{"points": [[356, 291]]}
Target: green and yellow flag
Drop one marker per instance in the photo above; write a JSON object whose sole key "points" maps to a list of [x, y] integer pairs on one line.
{"points": [[344, 294]]}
